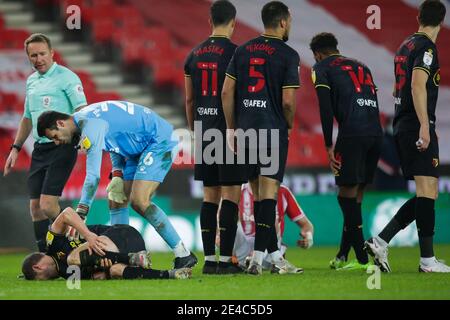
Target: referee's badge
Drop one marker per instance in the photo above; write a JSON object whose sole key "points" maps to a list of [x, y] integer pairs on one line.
{"points": [[79, 89], [46, 100], [428, 57], [313, 76]]}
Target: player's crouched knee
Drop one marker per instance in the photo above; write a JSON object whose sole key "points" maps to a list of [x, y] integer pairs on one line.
{"points": [[116, 270]]}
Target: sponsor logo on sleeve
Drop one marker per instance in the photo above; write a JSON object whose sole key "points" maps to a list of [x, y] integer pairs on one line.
{"points": [[435, 162], [428, 57], [313, 76], [85, 143], [437, 78]]}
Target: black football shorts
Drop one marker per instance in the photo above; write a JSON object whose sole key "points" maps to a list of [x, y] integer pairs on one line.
{"points": [[50, 168], [359, 158], [414, 162]]}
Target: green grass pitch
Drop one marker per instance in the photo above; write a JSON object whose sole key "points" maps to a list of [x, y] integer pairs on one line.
{"points": [[318, 281]]}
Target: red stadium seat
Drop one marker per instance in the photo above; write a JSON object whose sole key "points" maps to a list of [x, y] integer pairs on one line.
{"points": [[102, 29], [6, 138], [132, 51], [86, 80], [58, 58], [103, 96], [2, 22], [8, 102], [13, 38], [306, 149], [127, 29], [126, 14]]}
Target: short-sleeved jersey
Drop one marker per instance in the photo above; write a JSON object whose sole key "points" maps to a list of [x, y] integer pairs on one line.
{"points": [[58, 89], [418, 51], [286, 204], [206, 66], [121, 128], [262, 68], [353, 95], [59, 247]]}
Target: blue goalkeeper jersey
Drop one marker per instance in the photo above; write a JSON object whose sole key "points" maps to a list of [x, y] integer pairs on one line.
{"points": [[123, 129]]}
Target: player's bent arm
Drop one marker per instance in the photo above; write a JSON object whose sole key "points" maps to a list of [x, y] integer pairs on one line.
{"points": [[228, 89], [93, 164], [305, 224], [25, 127], [71, 218], [289, 105], [326, 114], [107, 244], [419, 95], [189, 102], [306, 232]]}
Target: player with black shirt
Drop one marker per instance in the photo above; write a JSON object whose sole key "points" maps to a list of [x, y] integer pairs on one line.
{"points": [[204, 75], [417, 77], [259, 94], [346, 91], [117, 250]]}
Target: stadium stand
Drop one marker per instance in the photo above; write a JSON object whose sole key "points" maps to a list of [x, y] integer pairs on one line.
{"points": [[149, 44]]}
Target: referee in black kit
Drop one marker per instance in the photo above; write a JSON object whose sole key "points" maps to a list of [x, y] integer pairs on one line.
{"points": [[259, 96]]}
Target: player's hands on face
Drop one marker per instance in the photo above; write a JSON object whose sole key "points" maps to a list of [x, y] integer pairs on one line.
{"points": [[424, 139], [335, 164], [106, 263], [11, 161]]}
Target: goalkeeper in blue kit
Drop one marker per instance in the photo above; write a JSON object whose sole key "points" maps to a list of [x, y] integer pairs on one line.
{"points": [[140, 145]]}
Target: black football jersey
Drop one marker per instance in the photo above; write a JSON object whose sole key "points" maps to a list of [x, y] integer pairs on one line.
{"points": [[206, 66], [262, 68], [418, 51], [353, 95], [59, 247]]}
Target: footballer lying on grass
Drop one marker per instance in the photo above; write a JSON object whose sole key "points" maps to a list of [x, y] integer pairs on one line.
{"points": [[101, 252]]}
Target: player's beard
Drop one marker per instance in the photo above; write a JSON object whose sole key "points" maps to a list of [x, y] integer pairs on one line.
{"points": [[75, 140]]}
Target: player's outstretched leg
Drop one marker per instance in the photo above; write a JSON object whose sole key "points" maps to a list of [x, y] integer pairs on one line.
{"points": [[182, 273]]}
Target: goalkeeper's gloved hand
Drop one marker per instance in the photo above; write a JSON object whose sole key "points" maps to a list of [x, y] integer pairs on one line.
{"points": [[115, 188]]}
